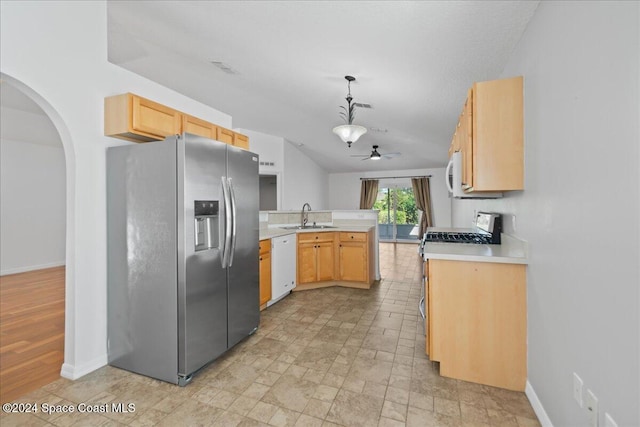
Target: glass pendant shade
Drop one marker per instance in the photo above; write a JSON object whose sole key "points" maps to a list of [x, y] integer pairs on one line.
{"points": [[349, 133]]}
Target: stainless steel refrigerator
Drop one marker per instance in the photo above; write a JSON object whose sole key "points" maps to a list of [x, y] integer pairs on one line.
{"points": [[183, 269]]}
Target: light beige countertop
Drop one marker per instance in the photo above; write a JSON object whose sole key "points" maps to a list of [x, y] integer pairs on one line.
{"points": [[511, 251], [269, 233]]}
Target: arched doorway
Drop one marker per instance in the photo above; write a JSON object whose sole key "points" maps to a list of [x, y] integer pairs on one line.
{"points": [[36, 235]]}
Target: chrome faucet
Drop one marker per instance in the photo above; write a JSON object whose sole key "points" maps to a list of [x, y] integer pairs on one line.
{"points": [[304, 216]]}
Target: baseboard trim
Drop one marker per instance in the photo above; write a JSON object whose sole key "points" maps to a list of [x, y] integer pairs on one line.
{"points": [[31, 268], [544, 419], [72, 372]]}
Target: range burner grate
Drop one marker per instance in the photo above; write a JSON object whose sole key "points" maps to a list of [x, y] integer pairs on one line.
{"points": [[452, 237]]}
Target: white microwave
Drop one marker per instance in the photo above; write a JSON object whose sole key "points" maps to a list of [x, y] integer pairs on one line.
{"points": [[453, 179]]}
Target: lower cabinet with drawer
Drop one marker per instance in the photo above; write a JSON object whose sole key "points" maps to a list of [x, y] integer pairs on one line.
{"points": [[353, 257], [265, 272], [315, 257]]}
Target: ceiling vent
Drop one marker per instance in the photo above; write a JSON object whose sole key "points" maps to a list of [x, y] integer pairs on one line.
{"points": [[361, 105], [224, 67], [379, 130]]}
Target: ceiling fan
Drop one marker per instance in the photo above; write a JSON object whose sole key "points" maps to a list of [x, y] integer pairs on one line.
{"points": [[375, 155]]}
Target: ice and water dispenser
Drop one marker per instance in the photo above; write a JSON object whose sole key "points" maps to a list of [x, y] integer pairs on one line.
{"points": [[206, 224]]}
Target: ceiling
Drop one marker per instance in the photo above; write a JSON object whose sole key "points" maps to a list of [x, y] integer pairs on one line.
{"points": [[413, 60]]}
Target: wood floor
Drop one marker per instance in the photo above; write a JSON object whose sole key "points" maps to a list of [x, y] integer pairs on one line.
{"points": [[31, 330]]}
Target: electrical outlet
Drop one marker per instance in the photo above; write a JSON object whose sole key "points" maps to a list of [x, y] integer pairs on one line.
{"points": [[577, 389], [591, 403], [608, 421]]}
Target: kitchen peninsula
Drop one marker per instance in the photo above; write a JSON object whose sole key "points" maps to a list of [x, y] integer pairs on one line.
{"points": [[336, 248]]}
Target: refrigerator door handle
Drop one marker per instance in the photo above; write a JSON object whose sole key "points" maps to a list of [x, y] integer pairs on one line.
{"points": [[227, 223], [233, 227]]}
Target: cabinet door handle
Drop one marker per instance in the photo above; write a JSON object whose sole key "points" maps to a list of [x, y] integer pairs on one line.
{"points": [[260, 258], [352, 237]]}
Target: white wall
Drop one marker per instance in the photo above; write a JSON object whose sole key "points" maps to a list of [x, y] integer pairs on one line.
{"points": [[32, 205], [300, 179], [580, 209], [344, 190], [303, 181], [270, 149], [57, 53]]}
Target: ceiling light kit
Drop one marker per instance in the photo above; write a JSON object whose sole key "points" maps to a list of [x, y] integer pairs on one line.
{"points": [[375, 154], [349, 133]]}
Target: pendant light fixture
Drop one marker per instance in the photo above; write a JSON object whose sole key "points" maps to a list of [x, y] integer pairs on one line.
{"points": [[349, 133]]}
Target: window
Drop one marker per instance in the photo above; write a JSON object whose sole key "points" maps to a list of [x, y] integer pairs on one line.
{"points": [[399, 217]]}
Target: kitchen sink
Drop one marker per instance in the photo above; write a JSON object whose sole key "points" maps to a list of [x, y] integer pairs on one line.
{"points": [[308, 227]]}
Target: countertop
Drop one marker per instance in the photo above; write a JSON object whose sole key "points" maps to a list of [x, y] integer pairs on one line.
{"points": [[511, 251], [269, 233]]}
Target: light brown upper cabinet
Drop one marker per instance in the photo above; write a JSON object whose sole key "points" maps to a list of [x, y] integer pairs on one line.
{"points": [[455, 141], [225, 135], [240, 140], [232, 138], [490, 135], [199, 127], [138, 119], [465, 139]]}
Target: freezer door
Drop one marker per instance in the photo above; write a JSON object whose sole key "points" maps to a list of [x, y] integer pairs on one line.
{"points": [[202, 281], [141, 259], [244, 271]]}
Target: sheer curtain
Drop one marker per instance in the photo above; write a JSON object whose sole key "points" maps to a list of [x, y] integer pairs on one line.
{"points": [[368, 193], [422, 194]]}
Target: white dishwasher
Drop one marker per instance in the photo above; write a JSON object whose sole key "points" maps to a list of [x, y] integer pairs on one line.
{"points": [[283, 267]]}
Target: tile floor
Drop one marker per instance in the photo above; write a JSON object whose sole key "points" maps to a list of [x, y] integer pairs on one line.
{"points": [[325, 357]]}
